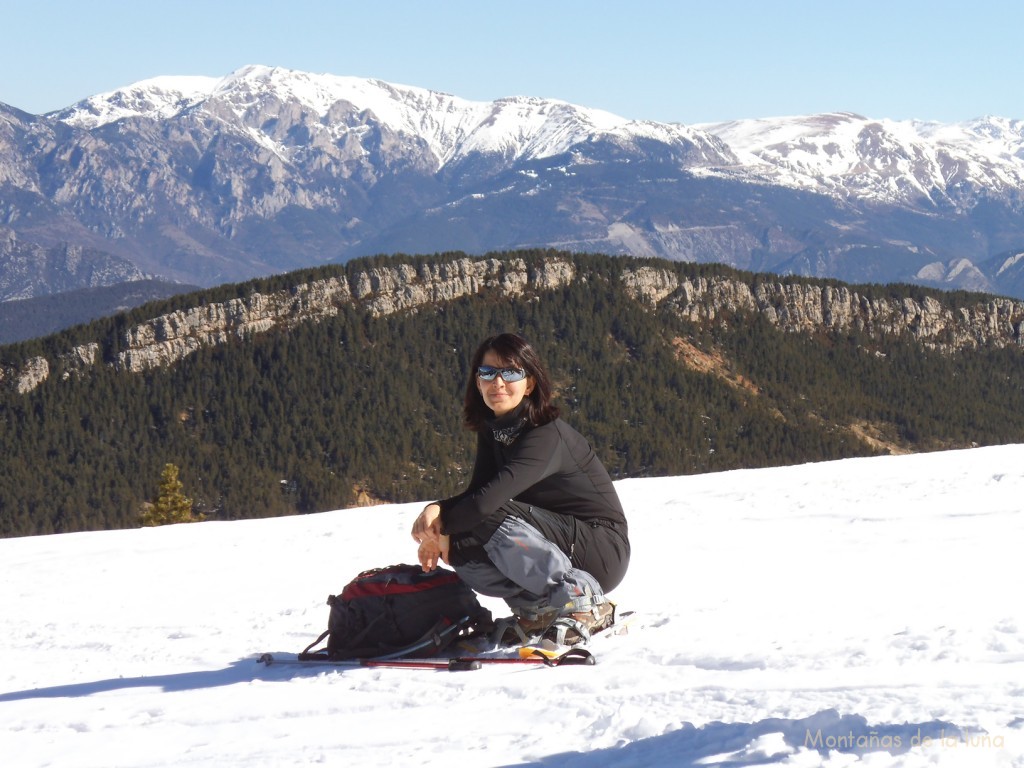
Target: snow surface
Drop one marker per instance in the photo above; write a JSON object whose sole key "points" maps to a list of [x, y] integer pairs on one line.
{"points": [[860, 612], [157, 97]]}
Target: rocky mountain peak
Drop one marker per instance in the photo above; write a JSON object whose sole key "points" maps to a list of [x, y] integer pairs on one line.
{"points": [[208, 180]]}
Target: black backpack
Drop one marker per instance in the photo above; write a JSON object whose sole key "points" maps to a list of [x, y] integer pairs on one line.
{"points": [[399, 610]]}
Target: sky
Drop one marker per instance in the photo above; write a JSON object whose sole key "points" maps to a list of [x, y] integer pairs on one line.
{"points": [[682, 61]]}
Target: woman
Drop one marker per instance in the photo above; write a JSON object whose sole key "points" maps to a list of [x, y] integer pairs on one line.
{"points": [[540, 523]]}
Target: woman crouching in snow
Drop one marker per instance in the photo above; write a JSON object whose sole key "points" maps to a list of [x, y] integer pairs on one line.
{"points": [[540, 523]]}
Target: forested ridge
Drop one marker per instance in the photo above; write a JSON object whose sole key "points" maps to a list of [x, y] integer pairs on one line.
{"points": [[354, 408]]}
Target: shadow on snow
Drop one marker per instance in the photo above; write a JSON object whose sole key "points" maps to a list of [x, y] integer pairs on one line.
{"points": [[241, 671], [733, 744], [761, 743]]}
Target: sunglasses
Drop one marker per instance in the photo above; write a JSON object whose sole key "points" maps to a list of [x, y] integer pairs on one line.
{"points": [[488, 372]]}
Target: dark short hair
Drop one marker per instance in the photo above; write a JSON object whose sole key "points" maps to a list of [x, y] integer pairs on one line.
{"points": [[516, 352]]}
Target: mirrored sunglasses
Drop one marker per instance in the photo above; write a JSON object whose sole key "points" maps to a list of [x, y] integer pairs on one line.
{"points": [[488, 372]]}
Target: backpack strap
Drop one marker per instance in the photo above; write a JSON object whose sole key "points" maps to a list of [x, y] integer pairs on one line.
{"points": [[323, 654], [438, 637], [306, 655]]}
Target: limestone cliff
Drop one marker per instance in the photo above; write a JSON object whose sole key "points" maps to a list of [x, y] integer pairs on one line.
{"points": [[793, 307], [806, 307]]}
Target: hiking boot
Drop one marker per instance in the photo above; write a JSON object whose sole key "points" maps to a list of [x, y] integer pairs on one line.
{"points": [[523, 627], [536, 623], [577, 628], [599, 617]]}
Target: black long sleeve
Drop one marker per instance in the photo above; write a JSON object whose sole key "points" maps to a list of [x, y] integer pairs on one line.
{"points": [[551, 466]]}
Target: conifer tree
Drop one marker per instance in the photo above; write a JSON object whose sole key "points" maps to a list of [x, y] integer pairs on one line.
{"points": [[171, 505]]}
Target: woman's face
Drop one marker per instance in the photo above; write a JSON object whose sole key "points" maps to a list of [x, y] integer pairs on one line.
{"points": [[499, 395]]}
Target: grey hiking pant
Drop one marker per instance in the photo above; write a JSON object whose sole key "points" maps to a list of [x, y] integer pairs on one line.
{"points": [[529, 571]]}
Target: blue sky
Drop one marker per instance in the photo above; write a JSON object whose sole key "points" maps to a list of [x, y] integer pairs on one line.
{"points": [[682, 61]]}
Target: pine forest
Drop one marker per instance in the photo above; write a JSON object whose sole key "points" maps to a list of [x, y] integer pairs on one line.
{"points": [[356, 409]]}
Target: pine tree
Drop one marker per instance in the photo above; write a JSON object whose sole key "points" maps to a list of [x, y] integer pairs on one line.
{"points": [[171, 505]]}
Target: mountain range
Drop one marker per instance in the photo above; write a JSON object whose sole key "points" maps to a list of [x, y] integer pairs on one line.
{"points": [[205, 180]]}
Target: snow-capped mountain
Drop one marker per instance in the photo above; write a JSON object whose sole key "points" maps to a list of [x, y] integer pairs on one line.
{"points": [[157, 98], [208, 180], [451, 128], [910, 163]]}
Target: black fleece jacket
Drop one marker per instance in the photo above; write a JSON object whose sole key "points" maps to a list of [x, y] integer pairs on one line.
{"points": [[551, 467]]}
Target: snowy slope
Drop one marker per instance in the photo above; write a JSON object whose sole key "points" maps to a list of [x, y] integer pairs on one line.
{"points": [[862, 612], [156, 98]]}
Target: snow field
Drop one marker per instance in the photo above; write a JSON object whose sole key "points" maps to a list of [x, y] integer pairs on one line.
{"points": [[861, 612]]}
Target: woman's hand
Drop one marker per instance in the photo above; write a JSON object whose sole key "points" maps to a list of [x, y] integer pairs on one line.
{"points": [[428, 524], [426, 531], [431, 551]]}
